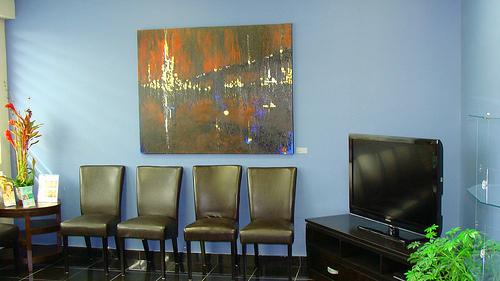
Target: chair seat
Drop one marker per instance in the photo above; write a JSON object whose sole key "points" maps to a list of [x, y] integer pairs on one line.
{"points": [[211, 229], [90, 225], [8, 232], [148, 227], [267, 232]]}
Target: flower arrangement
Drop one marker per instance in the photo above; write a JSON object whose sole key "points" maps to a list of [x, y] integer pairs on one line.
{"points": [[23, 133]]}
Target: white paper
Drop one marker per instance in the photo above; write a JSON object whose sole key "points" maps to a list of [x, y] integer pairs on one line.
{"points": [[48, 186]]}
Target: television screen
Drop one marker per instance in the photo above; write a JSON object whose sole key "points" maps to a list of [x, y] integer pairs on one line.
{"points": [[396, 180]]}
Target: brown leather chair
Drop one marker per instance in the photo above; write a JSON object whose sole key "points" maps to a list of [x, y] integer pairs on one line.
{"points": [[217, 201], [100, 205], [271, 195], [9, 234], [158, 190]]}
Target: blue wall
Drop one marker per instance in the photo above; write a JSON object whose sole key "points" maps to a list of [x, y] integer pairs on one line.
{"points": [[480, 94], [386, 67]]}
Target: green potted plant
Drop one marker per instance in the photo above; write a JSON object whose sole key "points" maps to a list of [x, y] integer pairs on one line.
{"points": [[459, 255], [23, 133]]}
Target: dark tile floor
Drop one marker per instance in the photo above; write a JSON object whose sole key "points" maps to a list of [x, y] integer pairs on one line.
{"points": [[218, 268]]}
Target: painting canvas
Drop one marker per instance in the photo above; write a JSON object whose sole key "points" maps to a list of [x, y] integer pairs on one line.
{"points": [[216, 89]]}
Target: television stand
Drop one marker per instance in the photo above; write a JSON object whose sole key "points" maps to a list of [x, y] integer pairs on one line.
{"points": [[338, 250]]}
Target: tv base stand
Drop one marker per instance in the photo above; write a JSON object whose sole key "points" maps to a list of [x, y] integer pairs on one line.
{"points": [[338, 250], [383, 234]]}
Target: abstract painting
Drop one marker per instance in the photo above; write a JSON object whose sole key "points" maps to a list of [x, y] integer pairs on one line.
{"points": [[216, 89]]}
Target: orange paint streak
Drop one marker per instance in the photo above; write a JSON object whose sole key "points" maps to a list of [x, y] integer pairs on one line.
{"points": [[279, 36], [239, 114], [212, 55], [203, 111], [142, 54], [198, 50], [231, 48], [287, 36], [150, 51], [152, 111], [178, 44]]}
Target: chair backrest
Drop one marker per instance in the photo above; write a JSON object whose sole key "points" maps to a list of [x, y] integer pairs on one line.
{"points": [[217, 191], [158, 190], [271, 193], [101, 189]]}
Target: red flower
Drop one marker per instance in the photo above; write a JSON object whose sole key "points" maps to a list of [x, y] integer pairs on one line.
{"points": [[12, 122], [10, 106], [8, 136]]}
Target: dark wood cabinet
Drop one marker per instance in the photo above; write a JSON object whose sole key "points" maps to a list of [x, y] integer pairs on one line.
{"points": [[338, 250]]}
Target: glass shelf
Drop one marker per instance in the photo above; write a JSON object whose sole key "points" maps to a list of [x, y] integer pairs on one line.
{"points": [[484, 187], [489, 196], [487, 116]]}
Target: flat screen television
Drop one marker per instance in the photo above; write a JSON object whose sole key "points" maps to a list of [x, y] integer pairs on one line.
{"points": [[396, 180]]}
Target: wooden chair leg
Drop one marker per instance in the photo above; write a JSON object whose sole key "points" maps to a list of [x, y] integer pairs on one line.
{"points": [[244, 262], [15, 249], [105, 254], [88, 245], [176, 250], [233, 259], [65, 254], [117, 246], [256, 254], [177, 258], [236, 260], [162, 260], [203, 258], [121, 242], [188, 250], [145, 245], [290, 262]]}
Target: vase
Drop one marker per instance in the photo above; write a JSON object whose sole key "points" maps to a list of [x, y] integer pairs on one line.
{"points": [[19, 201], [25, 193]]}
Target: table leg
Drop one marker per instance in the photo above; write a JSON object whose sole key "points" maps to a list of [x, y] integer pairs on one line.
{"points": [[29, 248], [58, 233]]}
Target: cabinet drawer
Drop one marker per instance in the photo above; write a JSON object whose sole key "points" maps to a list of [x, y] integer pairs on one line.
{"points": [[330, 266]]}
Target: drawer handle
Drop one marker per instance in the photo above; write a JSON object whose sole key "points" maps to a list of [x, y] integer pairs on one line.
{"points": [[332, 271]]}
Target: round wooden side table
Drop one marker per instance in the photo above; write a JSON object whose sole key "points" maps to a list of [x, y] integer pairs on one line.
{"points": [[37, 253]]}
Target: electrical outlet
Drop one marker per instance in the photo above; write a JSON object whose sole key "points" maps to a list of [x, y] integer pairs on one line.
{"points": [[301, 150]]}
